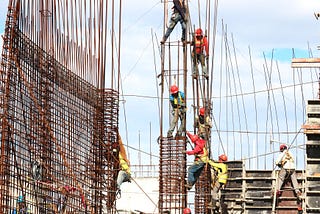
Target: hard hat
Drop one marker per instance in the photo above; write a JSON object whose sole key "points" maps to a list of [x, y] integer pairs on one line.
{"points": [[283, 147], [174, 89], [20, 199], [223, 157], [186, 211], [199, 32], [202, 111]]}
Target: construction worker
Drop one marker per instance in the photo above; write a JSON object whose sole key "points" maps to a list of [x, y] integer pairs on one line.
{"points": [[287, 167], [219, 176], [124, 175], [186, 211], [178, 15], [201, 158], [203, 124], [178, 105], [200, 53]]}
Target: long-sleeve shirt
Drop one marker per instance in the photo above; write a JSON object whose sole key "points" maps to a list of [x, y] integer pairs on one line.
{"points": [[199, 150]]}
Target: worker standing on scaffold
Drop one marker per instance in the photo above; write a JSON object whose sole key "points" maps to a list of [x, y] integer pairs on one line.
{"points": [[200, 159], [203, 124], [178, 15], [219, 177], [177, 100], [200, 53]]}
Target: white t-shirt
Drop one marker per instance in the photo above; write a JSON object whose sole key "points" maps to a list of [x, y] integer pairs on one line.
{"points": [[286, 160]]}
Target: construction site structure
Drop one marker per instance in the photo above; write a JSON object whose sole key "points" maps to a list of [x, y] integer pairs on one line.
{"points": [[312, 132], [175, 70], [60, 122]]}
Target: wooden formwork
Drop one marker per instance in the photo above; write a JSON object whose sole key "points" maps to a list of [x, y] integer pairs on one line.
{"points": [[251, 191]]}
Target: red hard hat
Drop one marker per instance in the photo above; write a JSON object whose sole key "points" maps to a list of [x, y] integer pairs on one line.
{"points": [[186, 211], [202, 111], [193, 137], [223, 157], [283, 147], [174, 89], [199, 32]]}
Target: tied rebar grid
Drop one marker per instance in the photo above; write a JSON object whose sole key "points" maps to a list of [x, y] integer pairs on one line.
{"points": [[172, 176], [57, 134]]}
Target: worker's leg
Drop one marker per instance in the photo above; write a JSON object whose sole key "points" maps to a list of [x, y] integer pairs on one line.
{"points": [[120, 179], [194, 171], [281, 177], [194, 64], [294, 181], [215, 194], [173, 21], [182, 116], [203, 66], [173, 123], [183, 28]]}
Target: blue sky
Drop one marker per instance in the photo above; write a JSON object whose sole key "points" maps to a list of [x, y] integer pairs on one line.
{"points": [[265, 26]]}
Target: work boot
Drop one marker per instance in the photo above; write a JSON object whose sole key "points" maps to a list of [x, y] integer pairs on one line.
{"points": [[169, 134]]}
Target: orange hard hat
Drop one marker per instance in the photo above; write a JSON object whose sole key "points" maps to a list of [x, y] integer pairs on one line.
{"points": [[174, 89], [186, 211], [193, 137], [199, 32], [223, 157], [283, 147], [202, 111]]}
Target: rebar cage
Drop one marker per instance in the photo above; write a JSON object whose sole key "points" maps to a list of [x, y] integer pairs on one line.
{"points": [[57, 136]]}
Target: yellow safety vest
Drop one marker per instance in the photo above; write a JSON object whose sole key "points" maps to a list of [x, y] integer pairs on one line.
{"points": [[222, 170], [123, 164], [175, 100], [203, 157]]}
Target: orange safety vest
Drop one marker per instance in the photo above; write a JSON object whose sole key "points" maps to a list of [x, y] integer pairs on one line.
{"points": [[198, 45]]}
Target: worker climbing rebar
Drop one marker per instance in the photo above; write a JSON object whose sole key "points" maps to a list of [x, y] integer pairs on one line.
{"points": [[203, 124], [124, 174], [177, 100], [178, 15], [201, 158], [200, 53], [219, 177]]}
